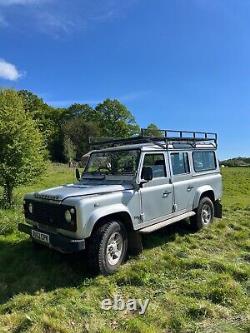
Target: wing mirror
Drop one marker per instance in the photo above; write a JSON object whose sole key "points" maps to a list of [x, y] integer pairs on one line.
{"points": [[147, 174], [78, 176]]}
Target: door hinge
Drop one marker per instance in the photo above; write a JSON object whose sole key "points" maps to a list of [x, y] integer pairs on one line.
{"points": [[142, 217], [174, 207]]}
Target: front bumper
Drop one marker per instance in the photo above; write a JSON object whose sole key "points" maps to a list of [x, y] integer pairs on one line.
{"points": [[56, 241]]}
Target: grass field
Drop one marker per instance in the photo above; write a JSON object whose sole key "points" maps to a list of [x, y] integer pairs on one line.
{"points": [[195, 282]]}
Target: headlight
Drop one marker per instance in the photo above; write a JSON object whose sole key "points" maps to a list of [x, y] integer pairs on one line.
{"points": [[30, 208], [69, 215]]}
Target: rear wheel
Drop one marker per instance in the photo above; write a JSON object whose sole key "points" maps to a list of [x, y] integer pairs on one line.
{"points": [[107, 247], [204, 214]]}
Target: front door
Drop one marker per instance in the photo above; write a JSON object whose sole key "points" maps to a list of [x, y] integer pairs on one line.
{"points": [[156, 194]]}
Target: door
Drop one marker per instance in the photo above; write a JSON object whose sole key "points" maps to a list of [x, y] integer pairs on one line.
{"points": [[182, 181], [156, 194]]}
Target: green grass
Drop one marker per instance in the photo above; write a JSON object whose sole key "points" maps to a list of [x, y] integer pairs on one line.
{"points": [[195, 282]]}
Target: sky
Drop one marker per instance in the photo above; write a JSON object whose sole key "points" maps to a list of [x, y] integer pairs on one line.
{"points": [[181, 64]]}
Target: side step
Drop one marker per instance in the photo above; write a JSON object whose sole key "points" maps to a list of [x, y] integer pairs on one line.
{"points": [[160, 225]]}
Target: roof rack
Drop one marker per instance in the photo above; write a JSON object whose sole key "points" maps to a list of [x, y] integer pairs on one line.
{"points": [[159, 137]]}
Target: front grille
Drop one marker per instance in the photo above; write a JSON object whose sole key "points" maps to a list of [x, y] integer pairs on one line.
{"points": [[44, 213], [49, 214]]}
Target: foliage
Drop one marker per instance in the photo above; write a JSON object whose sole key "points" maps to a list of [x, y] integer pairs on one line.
{"points": [[21, 146], [80, 110], [60, 127], [195, 282], [49, 121], [108, 119], [236, 162], [69, 149], [39, 111], [78, 131], [153, 130], [115, 120]]}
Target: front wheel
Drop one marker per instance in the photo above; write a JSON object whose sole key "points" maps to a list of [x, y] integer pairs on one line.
{"points": [[107, 247], [204, 214]]}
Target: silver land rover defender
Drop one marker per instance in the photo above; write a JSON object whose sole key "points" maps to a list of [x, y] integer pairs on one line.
{"points": [[128, 187]]}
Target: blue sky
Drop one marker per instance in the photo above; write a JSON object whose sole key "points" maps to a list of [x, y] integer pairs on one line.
{"points": [[182, 64]]}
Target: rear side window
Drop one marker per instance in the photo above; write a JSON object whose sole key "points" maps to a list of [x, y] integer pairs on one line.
{"points": [[204, 160], [180, 163]]}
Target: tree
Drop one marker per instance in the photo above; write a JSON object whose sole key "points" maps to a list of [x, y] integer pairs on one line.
{"points": [[49, 120], [69, 149], [22, 153], [115, 120], [80, 110], [153, 130], [31, 102], [76, 136]]}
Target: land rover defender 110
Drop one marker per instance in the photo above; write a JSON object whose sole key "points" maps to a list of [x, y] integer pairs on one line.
{"points": [[128, 187]]}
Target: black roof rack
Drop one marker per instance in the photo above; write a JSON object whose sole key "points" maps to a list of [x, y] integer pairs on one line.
{"points": [[159, 137]]}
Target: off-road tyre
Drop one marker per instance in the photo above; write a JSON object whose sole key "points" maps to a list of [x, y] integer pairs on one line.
{"points": [[204, 214], [98, 246]]}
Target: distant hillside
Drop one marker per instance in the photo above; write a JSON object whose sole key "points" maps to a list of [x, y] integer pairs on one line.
{"points": [[236, 162]]}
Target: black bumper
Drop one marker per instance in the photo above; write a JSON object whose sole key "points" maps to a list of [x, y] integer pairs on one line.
{"points": [[56, 241]]}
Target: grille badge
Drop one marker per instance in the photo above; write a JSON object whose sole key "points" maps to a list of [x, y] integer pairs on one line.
{"points": [[47, 197]]}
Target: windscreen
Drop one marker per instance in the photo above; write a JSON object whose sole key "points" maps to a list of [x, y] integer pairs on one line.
{"points": [[115, 163]]}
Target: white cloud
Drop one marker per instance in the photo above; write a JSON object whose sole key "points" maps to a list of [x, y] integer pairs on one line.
{"points": [[20, 2], [8, 71], [54, 25], [58, 18], [123, 98], [134, 95]]}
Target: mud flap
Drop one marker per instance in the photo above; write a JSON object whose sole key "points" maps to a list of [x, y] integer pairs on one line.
{"points": [[135, 246], [218, 209]]}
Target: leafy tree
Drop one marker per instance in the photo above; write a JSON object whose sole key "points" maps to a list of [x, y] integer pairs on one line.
{"points": [[31, 102], [66, 131], [80, 110], [49, 121], [115, 120], [22, 155], [76, 133], [38, 110], [69, 148], [153, 130]]}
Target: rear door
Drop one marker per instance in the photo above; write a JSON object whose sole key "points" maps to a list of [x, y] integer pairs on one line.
{"points": [[182, 181], [157, 194]]}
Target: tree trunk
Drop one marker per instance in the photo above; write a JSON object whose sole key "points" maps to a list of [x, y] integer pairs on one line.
{"points": [[8, 194]]}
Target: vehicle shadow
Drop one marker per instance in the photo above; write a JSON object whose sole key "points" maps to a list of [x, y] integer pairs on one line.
{"points": [[167, 234], [25, 269]]}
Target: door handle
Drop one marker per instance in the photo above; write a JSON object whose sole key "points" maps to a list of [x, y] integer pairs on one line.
{"points": [[189, 188], [165, 194]]}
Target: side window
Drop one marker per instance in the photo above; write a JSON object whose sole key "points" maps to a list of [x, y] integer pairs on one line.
{"points": [[180, 163], [204, 160], [157, 163]]}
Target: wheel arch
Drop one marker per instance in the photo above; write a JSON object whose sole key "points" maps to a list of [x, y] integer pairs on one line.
{"points": [[203, 191], [117, 214]]}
